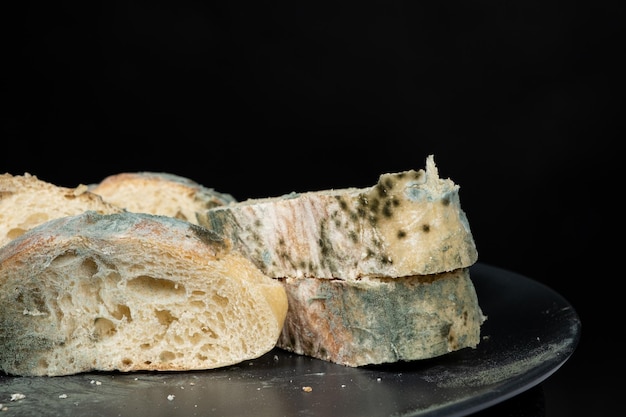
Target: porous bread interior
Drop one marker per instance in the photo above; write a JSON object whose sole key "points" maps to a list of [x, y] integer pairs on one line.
{"points": [[26, 202], [150, 311]]}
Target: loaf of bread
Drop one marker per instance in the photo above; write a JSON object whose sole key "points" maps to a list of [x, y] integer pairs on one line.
{"points": [[372, 275], [131, 291], [159, 193], [26, 201]]}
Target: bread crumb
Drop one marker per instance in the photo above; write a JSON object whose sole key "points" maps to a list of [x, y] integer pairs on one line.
{"points": [[171, 397], [63, 396], [307, 389], [18, 396]]}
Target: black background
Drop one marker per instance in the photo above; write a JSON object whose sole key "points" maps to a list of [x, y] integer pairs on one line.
{"points": [[517, 100]]}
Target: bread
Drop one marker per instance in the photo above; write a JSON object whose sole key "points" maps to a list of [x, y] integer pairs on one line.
{"points": [[372, 275], [129, 292], [26, 201], [159, 193], [381, 320], [409, 223]]}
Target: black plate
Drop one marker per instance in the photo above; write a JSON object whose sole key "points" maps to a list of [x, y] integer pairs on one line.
{"points": [[530, 332]]}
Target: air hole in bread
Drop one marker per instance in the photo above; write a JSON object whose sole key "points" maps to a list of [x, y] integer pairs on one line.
{"points": [[103, 328], [89, 267], [34, 303], [16, 232], [155, 287], [195, 338], [122, 311], [167, 356], [222, 302], [198, 304], [164, 317], [208, 332]]}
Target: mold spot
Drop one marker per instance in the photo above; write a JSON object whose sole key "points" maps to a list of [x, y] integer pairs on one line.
{"points": [[208, 236], [387, 208], [401, 234], [385, 260], [425, 228], [374, 205], [342, 203]]}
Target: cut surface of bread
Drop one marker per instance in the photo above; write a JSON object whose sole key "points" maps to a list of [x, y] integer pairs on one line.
{"points": [[130, 292], [409, 223], [26, 201], [381, 320], [159, 193]]}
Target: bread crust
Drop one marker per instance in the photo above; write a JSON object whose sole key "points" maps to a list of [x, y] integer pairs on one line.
{"points": [[160, 193], [129, 292]]}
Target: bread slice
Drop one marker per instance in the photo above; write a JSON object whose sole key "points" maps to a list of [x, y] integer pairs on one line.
{"points": [[129, 292], [26, 202], [409, 223], [160, 193], [382, 320]]}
